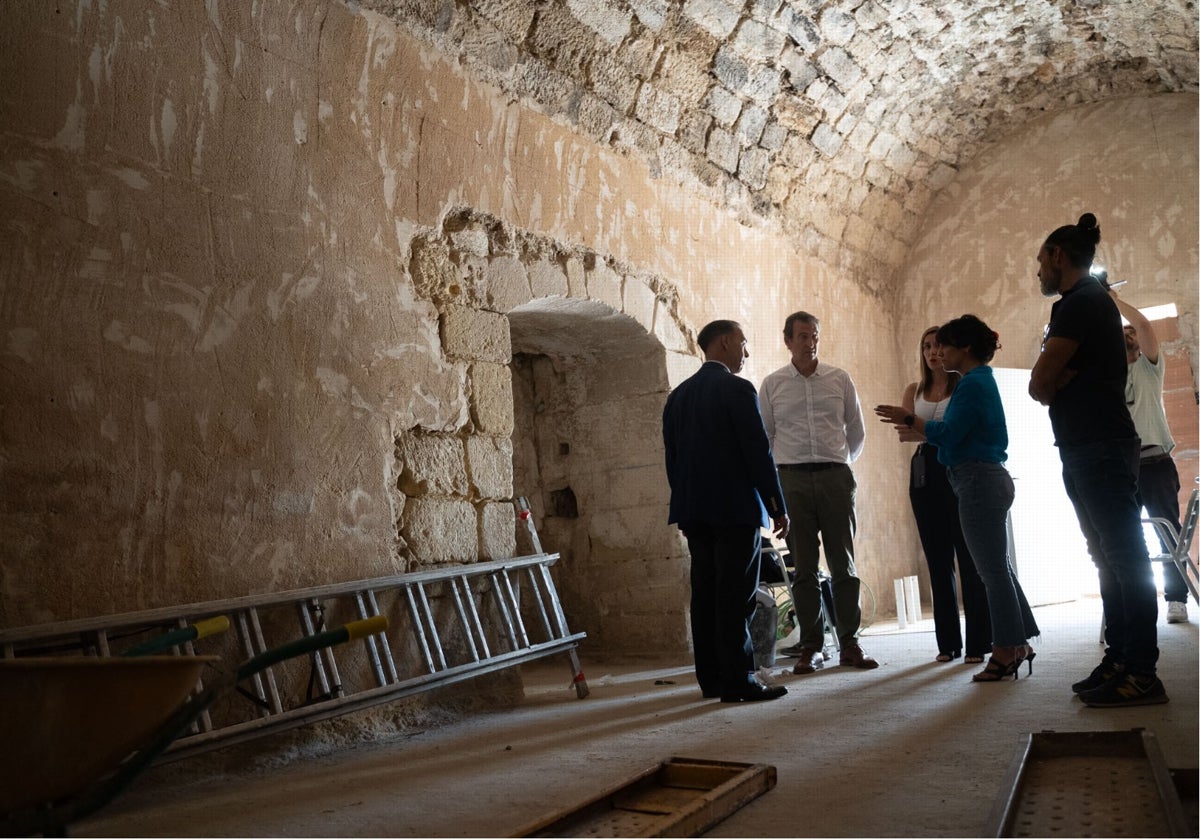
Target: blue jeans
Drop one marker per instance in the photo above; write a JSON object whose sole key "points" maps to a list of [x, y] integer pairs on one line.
{"points": [[985, 493], [1101, 482]]}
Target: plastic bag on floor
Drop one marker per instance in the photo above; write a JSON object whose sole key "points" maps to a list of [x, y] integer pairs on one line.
{"points": [[764, 626]]}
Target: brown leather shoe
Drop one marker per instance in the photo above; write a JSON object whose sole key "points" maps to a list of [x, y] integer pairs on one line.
{"points": [[853, 656], [808, 661]]}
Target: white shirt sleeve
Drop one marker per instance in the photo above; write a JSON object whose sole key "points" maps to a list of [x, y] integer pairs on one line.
{"points": [[768, 411], [856, 429]]}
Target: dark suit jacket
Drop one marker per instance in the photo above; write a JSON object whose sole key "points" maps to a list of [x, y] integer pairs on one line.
{"points": [[719, 460]]}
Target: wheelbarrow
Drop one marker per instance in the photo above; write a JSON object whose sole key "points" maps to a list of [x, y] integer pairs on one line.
{"points": [[76, 731]]}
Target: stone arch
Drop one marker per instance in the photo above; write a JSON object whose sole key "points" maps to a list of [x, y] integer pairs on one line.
{"points": [[589, 385], [593, 349]]}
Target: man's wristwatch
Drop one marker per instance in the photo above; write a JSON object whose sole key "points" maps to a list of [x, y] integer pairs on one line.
{"points": [[909, 420]]}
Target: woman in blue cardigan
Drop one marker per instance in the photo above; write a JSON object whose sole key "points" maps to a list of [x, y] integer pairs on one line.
{"points": [[972, 439]]}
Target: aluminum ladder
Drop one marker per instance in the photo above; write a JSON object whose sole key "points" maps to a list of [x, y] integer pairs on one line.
{"points": [[1178, 544], [445, 626]]}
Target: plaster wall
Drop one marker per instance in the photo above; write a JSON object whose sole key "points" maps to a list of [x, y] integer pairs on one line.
{"points": [[223, 369], [1132, 162]]}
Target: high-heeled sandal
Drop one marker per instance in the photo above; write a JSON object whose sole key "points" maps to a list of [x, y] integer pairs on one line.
{"points": [[1029, 656], [947, 657], [996, 671]]}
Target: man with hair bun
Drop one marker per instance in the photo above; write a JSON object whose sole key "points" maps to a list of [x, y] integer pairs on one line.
{"points": [[1080, 375]]}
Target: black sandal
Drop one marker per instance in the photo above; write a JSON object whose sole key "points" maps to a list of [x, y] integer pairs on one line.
{"points": [[995, 671]]}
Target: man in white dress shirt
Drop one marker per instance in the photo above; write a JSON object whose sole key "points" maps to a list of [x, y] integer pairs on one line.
{"points": [[815, 424]]}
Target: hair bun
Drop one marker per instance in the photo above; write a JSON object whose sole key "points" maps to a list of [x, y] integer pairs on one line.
{"points": [[1087, 221]]}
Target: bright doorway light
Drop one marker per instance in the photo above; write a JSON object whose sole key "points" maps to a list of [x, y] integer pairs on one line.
{"points": [[1048, 549], [1158, 313], [1049, 552], [1152, 313]]}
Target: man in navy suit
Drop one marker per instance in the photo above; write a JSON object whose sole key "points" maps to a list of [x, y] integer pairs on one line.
{"points": [[724, 489]]}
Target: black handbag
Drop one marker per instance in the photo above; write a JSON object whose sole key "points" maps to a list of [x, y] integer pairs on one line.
{"points": [[770, 566], [916, 471]]}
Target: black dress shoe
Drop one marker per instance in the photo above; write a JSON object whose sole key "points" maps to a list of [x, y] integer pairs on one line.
{"points": [[754, 691]]}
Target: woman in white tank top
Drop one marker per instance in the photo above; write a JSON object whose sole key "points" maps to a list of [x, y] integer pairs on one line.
{"points": [[935, 509]]}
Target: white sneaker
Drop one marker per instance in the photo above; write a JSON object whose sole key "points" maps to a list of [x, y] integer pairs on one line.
{"points": [[1176, 612]]}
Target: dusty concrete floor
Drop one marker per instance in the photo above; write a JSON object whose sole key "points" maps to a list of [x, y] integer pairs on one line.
{"points": [[913, 749]]}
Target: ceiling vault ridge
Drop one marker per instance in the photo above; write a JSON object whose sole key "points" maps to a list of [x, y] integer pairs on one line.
{"points": [[836, 120]]}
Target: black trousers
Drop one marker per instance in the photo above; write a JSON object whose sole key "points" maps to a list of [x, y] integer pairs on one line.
{"points": [[1100, 478], [1158, 493], [935, 508], [724, 579]]}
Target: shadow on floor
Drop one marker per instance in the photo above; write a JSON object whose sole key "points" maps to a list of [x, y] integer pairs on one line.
{"points": [[912, 749]]}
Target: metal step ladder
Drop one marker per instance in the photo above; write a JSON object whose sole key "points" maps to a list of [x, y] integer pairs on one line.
{"points": [[1178, 544], [445, 626], [1177, 547]]}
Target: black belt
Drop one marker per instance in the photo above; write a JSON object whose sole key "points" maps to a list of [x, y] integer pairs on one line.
{"points": [[823, 465]]}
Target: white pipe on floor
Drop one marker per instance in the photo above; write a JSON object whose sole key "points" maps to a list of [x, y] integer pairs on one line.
{"points": [[900, 619], [912, 598]]}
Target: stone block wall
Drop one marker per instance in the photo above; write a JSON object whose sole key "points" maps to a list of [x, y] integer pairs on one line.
{"points": [[573, 424], [597, 459], [265, 268], [837, 121]]}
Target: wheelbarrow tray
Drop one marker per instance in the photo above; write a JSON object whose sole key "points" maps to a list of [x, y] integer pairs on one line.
{"points": [[69, 720], [77, 730], [680, 797]]}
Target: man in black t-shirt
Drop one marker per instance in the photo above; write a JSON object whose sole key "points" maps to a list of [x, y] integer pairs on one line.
{"points": [[1081, 376]]}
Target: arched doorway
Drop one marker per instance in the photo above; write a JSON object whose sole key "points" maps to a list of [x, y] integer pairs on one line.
{"points": [[589, 385]]}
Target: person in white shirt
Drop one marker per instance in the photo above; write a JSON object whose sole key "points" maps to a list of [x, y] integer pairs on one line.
{"points": [[1158, 479], [815, 424]]}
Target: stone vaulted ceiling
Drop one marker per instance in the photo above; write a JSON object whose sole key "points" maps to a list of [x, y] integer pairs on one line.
{"points": [[838, 120]]}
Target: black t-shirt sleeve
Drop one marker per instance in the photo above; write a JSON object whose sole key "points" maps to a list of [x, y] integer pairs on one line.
{"points": [[1091, 407], [1073, 318]]}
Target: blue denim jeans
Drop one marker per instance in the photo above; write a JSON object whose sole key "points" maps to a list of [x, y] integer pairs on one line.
{"points": [[985, 493], [1101, 482]]}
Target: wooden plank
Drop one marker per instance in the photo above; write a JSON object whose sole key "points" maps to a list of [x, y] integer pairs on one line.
{"points": [[680, 797]]}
